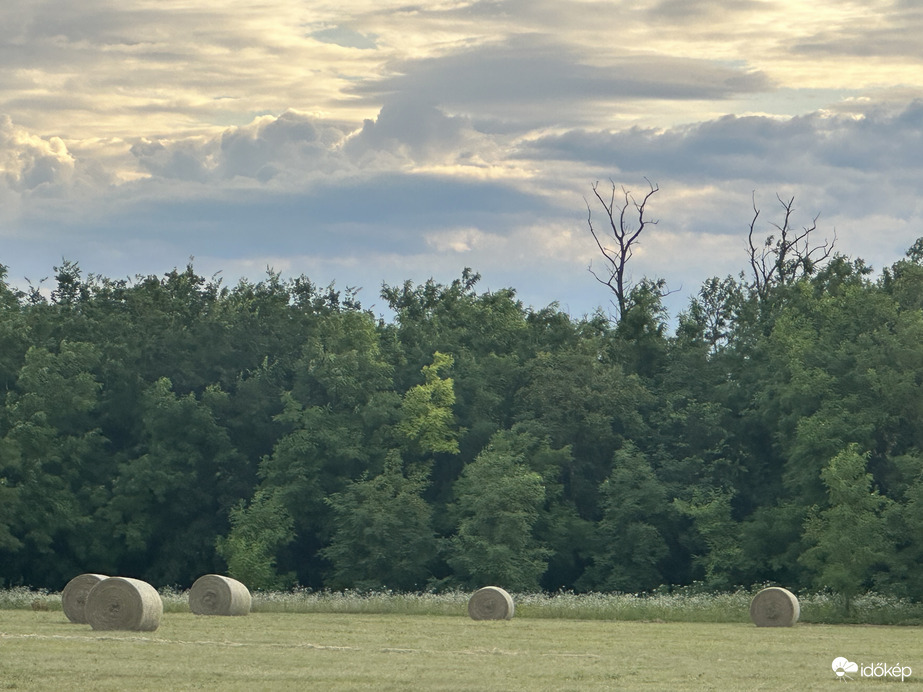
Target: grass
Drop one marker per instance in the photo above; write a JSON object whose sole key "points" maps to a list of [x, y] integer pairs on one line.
{"points": [[680, 605], [41, 650]]}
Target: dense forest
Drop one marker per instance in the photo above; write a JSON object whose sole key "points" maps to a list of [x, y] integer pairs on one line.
{"points": [[170, 426]]}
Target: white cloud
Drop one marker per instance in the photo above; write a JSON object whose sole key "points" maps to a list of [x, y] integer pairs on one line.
{"points": [[29, 162]]}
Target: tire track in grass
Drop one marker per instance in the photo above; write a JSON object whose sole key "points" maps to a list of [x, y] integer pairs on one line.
{"points": [[303, 645]]}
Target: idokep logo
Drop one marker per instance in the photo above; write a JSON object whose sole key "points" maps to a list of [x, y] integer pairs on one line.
{"points": [[843, 667]]}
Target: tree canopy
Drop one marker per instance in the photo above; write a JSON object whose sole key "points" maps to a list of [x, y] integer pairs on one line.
{"points": [[165, 427]]}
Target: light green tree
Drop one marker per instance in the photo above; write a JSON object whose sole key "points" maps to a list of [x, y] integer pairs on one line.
{"points": [[427, 422], [848, 539], [258, 530]]}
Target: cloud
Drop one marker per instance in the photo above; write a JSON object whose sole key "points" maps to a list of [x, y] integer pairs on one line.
{"points": [[392, 140], [294, 149], [269, 148], [29, 162], [850, 34], [524, 73], [413, 128], [345, 37], [759, 149]]}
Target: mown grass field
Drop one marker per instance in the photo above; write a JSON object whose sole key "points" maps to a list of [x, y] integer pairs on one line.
{"points": [[280, 650]]}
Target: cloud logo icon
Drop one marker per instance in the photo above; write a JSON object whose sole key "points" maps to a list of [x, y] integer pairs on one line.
{"points": [[841, 666]]}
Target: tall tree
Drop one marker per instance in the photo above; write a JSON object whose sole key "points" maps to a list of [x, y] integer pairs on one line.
{"points": [[719, 552], [427, 421]]}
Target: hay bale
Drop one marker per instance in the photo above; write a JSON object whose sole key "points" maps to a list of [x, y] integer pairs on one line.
{"points": [[122, 603], [74, 596], [774, 607], [491, 603], [213, 594]]}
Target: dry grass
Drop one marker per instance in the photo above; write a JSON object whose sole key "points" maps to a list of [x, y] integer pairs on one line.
{"points": [[41, 650]]}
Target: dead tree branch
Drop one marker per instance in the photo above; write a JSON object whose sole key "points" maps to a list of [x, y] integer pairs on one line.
{"points": [[784, 256], [624, 231]]}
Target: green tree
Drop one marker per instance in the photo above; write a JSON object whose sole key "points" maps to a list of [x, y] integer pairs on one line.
{"points": [[337, 422], [559, 527], [427, 420], [848, 540], [382, 532], [580, 399], [905, 521], [713, 311], [171, 497], [53, 463], [498, 500], [630, 545], [719, 535], [14, 334], [9, 502], [258, 530]]}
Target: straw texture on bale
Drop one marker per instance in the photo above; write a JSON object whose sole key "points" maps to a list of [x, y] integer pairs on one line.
{"points": [[74, 596], [122, 603], [213, 594], [774, 607], [491, 603]]}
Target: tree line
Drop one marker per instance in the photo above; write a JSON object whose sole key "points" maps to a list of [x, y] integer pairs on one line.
{"points": [[170, 426]]}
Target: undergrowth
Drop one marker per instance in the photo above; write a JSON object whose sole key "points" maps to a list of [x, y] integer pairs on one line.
{"points": [[684, 604]]}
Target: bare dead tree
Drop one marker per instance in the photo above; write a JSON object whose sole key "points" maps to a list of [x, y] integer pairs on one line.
{"points": [[782, 259], [626, 223]]}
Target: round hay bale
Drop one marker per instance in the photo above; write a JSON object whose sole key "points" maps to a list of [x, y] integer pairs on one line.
{"points": [[213, 594], [774, 607], [122, 603], [74, 596], [491, 603]]}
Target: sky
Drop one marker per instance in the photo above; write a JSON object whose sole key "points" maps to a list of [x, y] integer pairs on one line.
{"points": [[363, 143]]}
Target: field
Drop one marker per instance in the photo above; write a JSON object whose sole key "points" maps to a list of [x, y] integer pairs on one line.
{"points": [[340, 647]]}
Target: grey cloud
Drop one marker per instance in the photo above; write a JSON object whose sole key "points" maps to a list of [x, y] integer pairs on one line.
{"points": [[388, 212], [533, 71], [752, 148], [682, 11], [345, 37], [97, 22], [261, 150], [182, 160], [292, 143], [415, 126], [293, 148], [895, 32], [59, 35]]}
